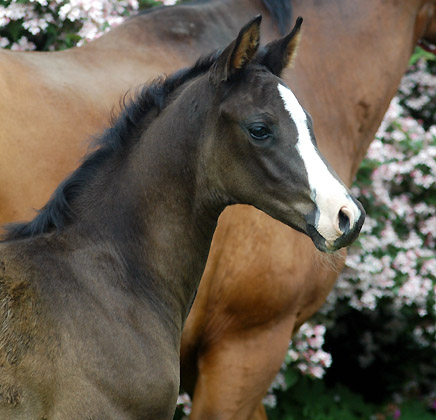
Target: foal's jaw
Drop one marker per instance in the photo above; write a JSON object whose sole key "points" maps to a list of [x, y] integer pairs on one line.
{"points": [[338, 217]]}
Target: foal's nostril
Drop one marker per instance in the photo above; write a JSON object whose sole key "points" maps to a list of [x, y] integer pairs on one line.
{"points": [[344, 221]]}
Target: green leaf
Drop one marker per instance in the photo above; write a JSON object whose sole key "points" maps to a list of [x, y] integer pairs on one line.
{"points": [[420, 53], [291, 377]]}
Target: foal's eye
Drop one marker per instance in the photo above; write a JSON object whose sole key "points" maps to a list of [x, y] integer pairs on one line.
{"points": [[259, 132]]}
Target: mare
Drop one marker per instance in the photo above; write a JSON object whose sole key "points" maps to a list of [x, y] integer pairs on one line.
{"points": [[95, 290], [52, 101], [263, 280]]}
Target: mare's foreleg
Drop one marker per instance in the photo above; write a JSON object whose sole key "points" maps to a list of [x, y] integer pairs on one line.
{"points": [[236, 371]]}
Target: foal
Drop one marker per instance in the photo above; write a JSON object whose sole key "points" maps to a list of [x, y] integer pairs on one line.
{"points": [[95, 290]]}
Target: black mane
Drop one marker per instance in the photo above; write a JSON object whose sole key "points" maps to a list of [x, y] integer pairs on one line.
{"points": [[57, 213]]}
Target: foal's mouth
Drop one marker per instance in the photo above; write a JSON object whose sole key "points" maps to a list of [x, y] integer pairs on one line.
{"points": [[330, 246]]}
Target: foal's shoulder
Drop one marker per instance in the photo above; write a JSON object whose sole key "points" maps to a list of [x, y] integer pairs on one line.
{"points": [[25, 332], [24, 317], [18, 311], [23, 266]]}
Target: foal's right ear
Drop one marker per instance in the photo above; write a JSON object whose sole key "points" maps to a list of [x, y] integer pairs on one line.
{"points": [[238, 53]]}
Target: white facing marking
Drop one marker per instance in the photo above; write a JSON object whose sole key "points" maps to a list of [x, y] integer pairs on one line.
{"points": [[327, 192]]}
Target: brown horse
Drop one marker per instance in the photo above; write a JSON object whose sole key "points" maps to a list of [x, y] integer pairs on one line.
{"points": [[96, 289], [52, 101], [263, 280], [240, 325]]}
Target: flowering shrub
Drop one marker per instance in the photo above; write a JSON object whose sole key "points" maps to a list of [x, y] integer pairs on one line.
{"points": [[306, 351], [394, 257], [417, 90], [381, 315], [59, 24], [390, 274]]}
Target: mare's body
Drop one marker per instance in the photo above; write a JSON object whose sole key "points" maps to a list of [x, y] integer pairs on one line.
{"points": [[263, 280], [238, 331], [52, 102]]}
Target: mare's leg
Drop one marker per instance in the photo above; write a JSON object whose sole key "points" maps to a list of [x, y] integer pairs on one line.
{"points": [[235, 372], [260, 413], [261, 281]]}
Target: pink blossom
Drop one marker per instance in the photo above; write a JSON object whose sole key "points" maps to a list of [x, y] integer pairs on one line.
{"points": [[35, 26], [396, 414], [4, 42], [23, 44], [16, 11], [316, 371], [184, 400]]}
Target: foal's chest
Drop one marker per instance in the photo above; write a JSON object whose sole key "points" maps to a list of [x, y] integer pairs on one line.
{"points": [[134, 370]]}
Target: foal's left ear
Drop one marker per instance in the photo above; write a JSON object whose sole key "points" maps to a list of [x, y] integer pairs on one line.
{"points": [[281, 53], [238, 53]]}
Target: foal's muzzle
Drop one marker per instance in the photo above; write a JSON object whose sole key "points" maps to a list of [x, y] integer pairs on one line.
{"points": [[339, 230]]}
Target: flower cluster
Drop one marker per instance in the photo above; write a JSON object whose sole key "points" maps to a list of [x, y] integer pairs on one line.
{"points": [[418, 90], [394, 256], [184, 403], [58, 24], [392, 267], [305, 354]]}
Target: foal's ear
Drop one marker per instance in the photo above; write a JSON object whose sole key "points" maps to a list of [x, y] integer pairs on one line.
{"points": [[281, 53], [238, 53]]}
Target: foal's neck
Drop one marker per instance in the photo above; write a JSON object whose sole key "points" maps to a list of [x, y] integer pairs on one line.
{"points": [[155, 207]]}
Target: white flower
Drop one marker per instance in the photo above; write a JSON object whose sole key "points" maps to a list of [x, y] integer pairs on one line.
{"points": [[23, 44], [16, 11], [270, 400], [185, 402], [4, 42], [35, 26]]}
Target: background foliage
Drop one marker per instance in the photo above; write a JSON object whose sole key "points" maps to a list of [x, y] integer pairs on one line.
{"points": [[370, 352], [48, 25]]}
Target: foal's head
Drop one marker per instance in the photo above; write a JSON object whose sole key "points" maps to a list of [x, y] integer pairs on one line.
{"points": [[261, 148]]}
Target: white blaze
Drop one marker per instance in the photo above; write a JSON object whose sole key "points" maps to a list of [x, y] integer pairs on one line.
{"points": [[327, 192]]}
